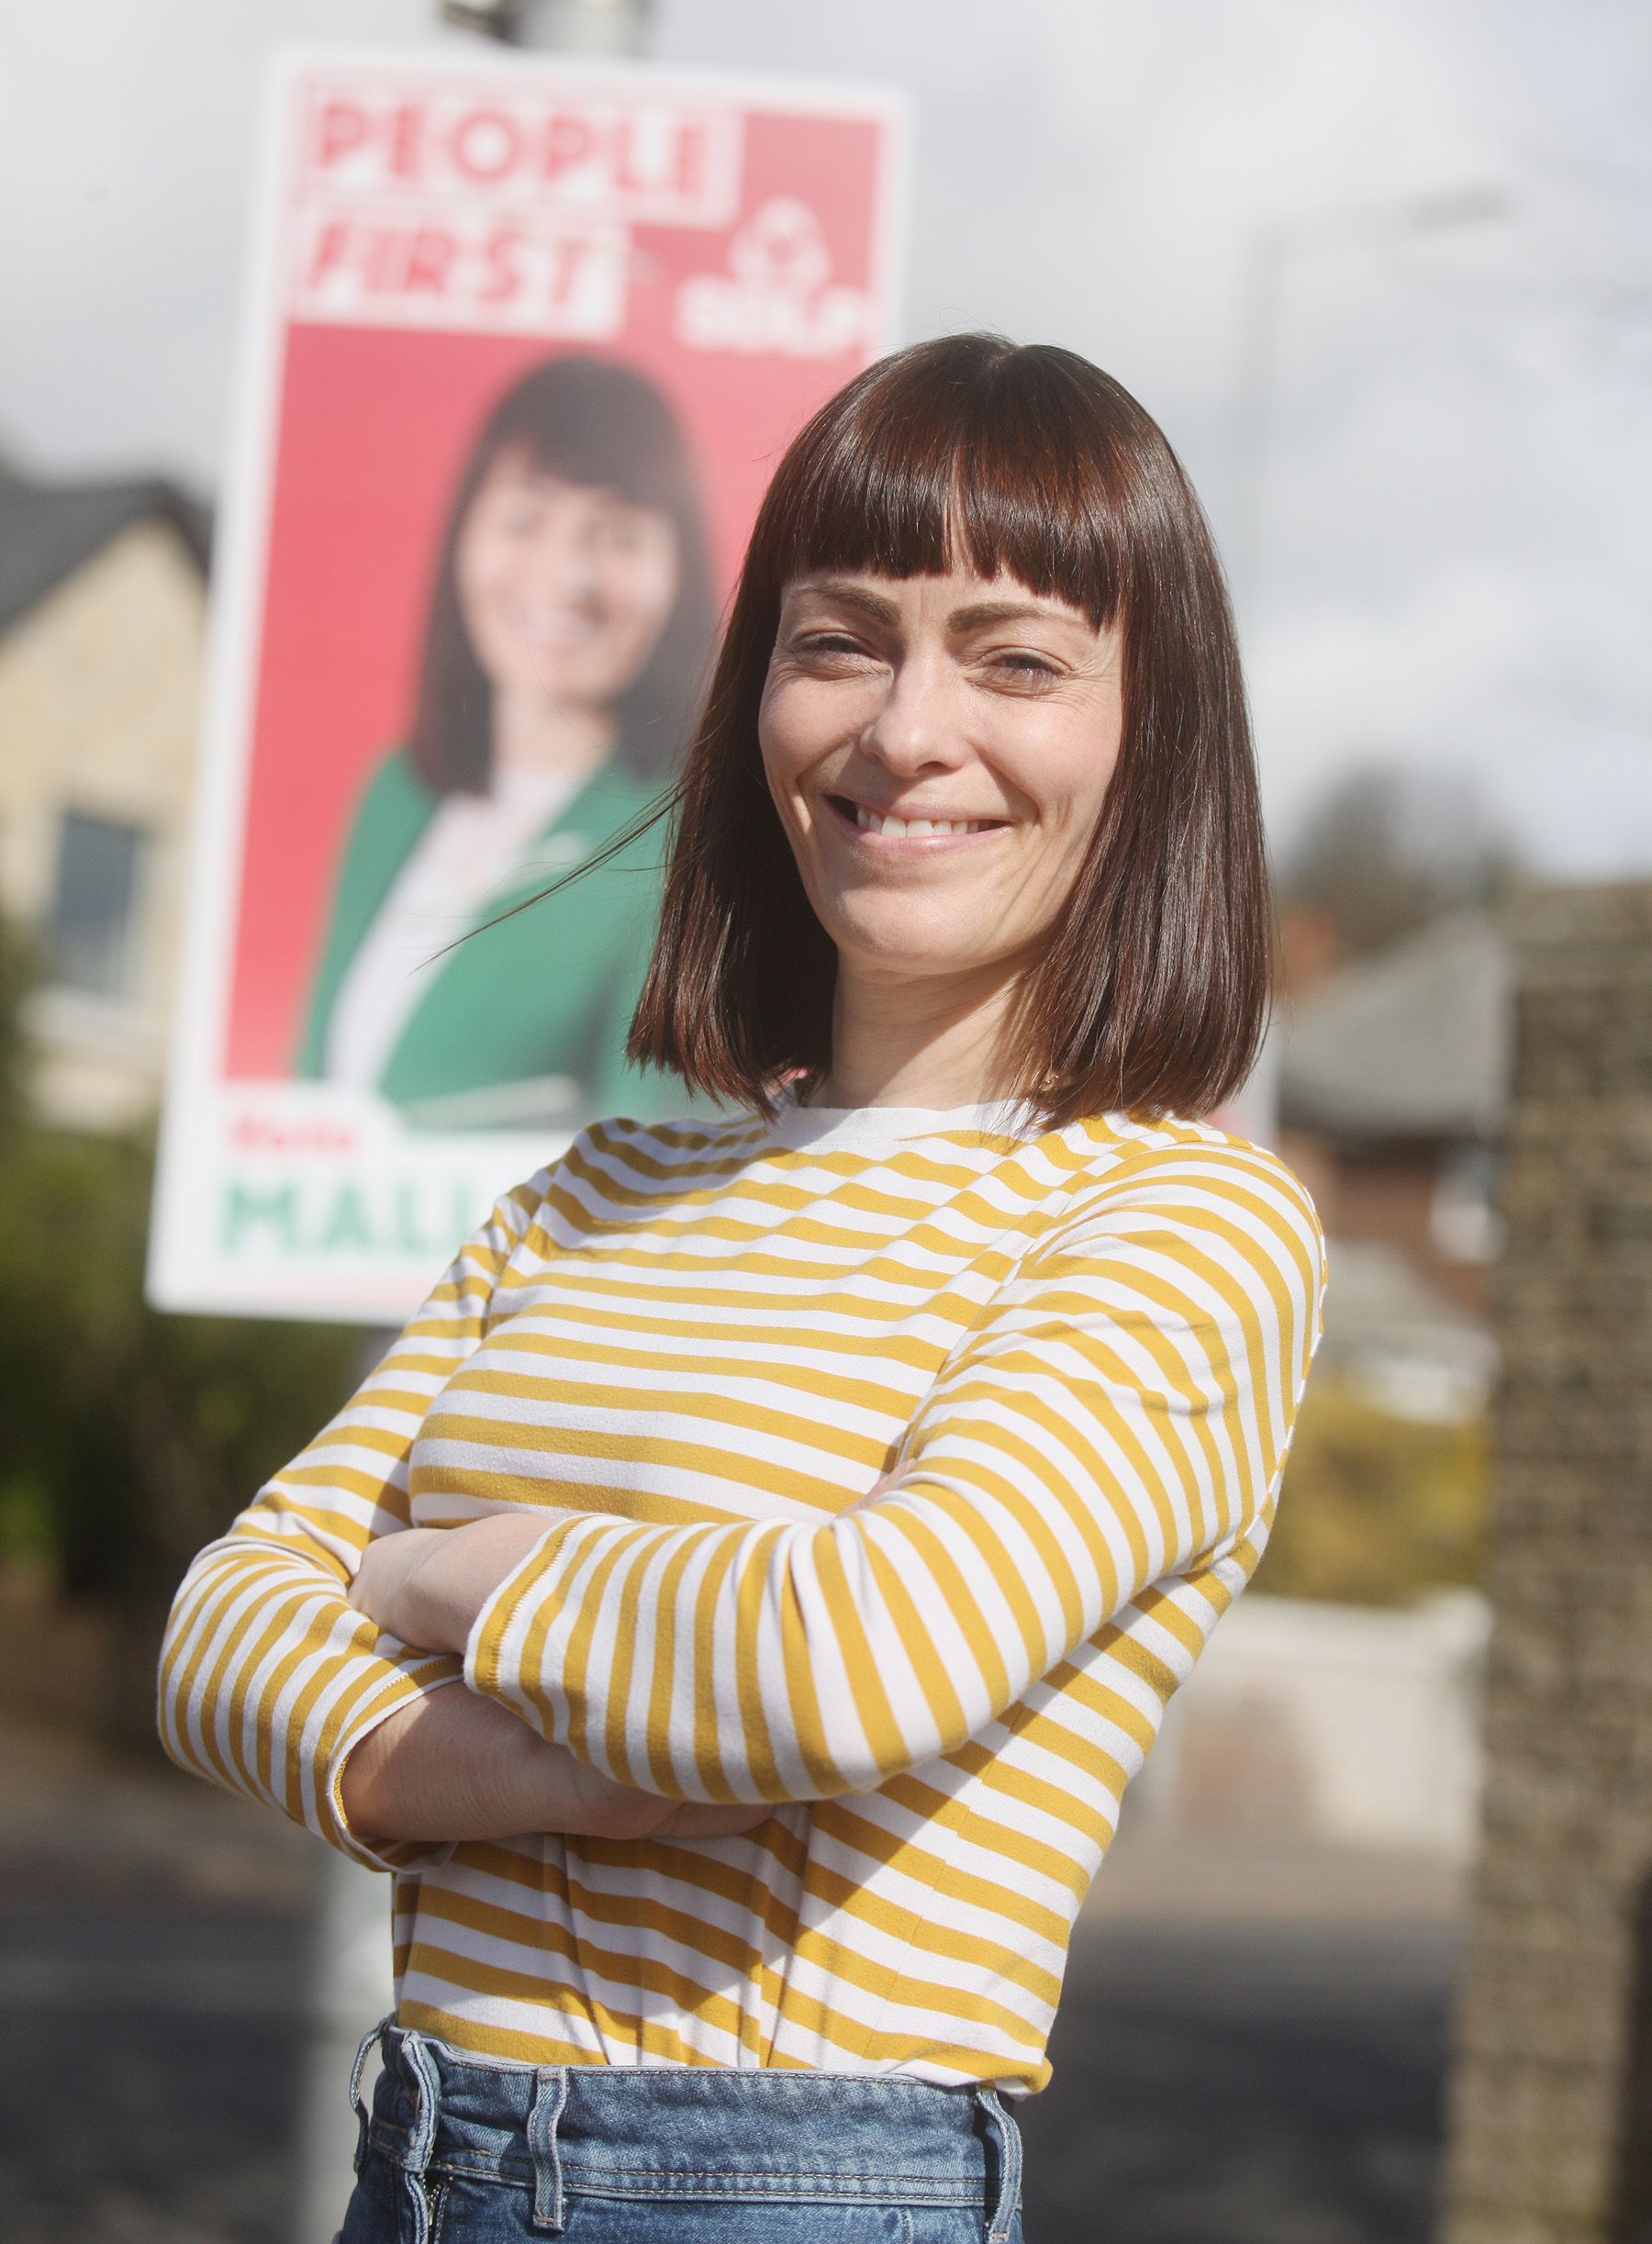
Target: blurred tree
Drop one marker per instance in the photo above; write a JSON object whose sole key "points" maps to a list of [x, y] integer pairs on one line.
{"points": [[130, 1437], [137, 1434], [1375, 1510], [1385, 850]]}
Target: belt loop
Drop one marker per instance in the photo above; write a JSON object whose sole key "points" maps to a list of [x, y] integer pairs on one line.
{"points": [[549, 2098], [422, 2134], [1003, 2218], [358, 2104]]}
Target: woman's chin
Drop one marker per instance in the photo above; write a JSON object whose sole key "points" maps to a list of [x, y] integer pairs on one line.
{"points": [[896, 952]]}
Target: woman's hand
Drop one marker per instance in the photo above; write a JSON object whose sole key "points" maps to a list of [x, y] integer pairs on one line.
{"points": [[427, 1585], [453, 1766]]}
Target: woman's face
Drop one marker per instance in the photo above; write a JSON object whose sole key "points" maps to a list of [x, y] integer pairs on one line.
{"points": [[959, 698], [564, 587]]}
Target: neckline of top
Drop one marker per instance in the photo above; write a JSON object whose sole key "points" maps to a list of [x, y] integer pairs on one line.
{"points": [[878, 1129]]}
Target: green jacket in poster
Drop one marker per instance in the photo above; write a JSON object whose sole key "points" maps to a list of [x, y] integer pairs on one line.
{"points": [[522, 1025]]}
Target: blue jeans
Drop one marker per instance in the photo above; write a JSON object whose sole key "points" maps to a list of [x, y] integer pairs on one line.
{"points": [[461, 2150]]}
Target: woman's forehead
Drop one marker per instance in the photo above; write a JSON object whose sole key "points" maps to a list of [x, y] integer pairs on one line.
{"points": [[517, 467], [956, 592]]}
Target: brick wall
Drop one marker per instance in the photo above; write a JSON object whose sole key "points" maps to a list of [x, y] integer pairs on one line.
{"points": [[1548, 2104]]}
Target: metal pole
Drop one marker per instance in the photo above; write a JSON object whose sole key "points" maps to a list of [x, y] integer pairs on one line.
{"points": [[1261, 322], [567, 27], [1255, 1111], [352, 1987], [1260, 304]]}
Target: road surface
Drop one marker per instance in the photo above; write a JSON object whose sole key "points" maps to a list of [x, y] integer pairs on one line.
{"points": [[1243, 2076]]}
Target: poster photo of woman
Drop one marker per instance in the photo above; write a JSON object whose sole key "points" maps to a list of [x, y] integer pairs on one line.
{"points": [[524, 343], [568, 629]]}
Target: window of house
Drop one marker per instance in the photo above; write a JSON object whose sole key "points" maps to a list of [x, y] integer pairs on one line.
{"points": [[92, 927], [1462, 1220]]}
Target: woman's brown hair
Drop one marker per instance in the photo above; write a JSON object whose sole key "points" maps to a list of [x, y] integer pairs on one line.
{"points": [[972, 452], [588, 421]]}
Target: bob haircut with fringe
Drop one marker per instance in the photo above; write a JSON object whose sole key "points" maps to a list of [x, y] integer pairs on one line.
{"points": [[1151, 994]]}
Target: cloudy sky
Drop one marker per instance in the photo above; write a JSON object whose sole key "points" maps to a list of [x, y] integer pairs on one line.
{"points": [[1442, 546]]}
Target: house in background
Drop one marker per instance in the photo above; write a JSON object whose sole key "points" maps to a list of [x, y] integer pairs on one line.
{"points": [[1392, 1091], [102, 625]]}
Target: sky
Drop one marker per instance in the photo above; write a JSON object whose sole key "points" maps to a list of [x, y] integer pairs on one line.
{"points": [[1435, 500]]}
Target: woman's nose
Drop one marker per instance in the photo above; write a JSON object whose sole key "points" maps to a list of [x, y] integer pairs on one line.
{"points": [[918, 724], [560, 562]]}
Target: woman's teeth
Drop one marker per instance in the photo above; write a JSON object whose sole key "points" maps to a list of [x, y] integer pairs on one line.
{"points": [[874, 824]]}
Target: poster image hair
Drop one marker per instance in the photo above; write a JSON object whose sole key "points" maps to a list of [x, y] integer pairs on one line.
{"points": [[590, 421]]}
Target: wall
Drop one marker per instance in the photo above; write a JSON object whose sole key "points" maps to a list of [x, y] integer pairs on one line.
{"points": [[1550, 2127], [99, 686], [1329, 1726]]}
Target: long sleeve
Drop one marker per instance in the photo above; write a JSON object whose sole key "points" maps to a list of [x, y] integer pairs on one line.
{"points": [[268, 1677], [1118, 1418]]}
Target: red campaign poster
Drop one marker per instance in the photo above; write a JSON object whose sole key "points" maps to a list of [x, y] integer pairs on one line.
{"points": [[525, 341]]}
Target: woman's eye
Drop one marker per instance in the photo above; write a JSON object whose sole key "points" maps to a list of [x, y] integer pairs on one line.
{"points": [[829, 642], [619, 535], [1023, 664]]}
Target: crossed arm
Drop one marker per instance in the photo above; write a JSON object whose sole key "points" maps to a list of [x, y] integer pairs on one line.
{"points": [[276, 1684], [450, 1766], [1119, 1419]]}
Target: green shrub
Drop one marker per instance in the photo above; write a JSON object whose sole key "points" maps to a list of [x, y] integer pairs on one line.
{"points": [[133, 1436], [1375, 1510], [129, 1439]]}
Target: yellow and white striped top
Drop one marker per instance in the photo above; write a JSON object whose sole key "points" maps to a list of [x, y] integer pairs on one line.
{"points": [[896, 1465]]}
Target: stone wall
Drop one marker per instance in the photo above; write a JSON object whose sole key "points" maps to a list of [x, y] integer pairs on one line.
{"points": [[1549, 2117]]}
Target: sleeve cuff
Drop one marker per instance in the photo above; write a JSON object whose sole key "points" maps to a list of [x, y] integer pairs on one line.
{"points": [[493, 1651], [378, 1854]]}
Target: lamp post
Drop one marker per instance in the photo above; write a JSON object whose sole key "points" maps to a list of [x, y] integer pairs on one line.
{"points": [[1272, 251], [1254, 1110]]}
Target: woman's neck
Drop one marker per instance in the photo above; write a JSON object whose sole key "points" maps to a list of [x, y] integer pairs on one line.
{"points": [[924, 1042], [530, 733]]}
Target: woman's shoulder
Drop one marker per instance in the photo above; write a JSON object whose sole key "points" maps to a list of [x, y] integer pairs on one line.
{"points": [[391, 808], [1213, 1176], [392, 785], [640, 1157], [1174, 1141]]}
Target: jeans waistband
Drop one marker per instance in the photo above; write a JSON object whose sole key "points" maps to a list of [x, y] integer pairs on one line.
{"points": [[687, 2131]]}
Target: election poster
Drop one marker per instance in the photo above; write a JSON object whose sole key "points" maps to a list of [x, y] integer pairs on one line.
{"points": [[524, 341]]}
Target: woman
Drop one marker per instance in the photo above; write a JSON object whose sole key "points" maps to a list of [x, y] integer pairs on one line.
{"points": [[570, 619], [816, 1509]]}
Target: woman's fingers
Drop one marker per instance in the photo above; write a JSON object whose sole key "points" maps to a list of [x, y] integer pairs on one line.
{"points": [[710, 1819], [383, 1571], [607, 1809]]}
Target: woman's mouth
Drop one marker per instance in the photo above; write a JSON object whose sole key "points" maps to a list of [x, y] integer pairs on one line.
{"points": [[882, 826], [551, 628]]}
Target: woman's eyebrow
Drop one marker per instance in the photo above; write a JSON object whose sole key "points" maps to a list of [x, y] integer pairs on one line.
{"points": [[870, 604], [983, 612]]}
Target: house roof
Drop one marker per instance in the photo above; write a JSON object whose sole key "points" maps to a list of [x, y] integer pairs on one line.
{"points": [[1411, 1042], [48, 530]]}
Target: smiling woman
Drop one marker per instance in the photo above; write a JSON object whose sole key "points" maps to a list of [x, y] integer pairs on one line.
{"points": [[980, 582], [737, 1603], [569, 621], [939, 753]]}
